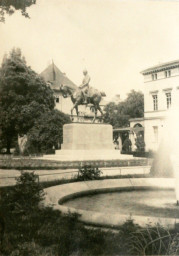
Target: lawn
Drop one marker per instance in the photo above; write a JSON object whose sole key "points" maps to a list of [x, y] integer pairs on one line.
{"points": [[28, 228], [28, 163]]}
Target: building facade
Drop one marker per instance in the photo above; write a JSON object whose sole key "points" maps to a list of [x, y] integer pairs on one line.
{"points": [[54, 77], [161, 82]]}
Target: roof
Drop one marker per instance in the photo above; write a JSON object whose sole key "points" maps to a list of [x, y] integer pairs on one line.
{"points": [[53, 75], [161, 67]]}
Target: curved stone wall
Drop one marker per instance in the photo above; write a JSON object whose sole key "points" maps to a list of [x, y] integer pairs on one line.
{"points": [[56, 195]]}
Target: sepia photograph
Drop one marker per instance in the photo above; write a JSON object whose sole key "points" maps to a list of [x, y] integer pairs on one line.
{"points": [[89, 122]]}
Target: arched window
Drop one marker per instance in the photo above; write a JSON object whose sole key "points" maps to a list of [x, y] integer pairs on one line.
{"points": [[137, 125]]}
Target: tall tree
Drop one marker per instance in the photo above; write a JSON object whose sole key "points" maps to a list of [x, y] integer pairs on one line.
{"points": [[115, 115], [24, 97], [134, 104], [118, 115], [10, 6], [47, 132]]}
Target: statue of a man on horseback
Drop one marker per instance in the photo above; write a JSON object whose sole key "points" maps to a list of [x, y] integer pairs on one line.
{"points": [[84, 94], [85, 85]]}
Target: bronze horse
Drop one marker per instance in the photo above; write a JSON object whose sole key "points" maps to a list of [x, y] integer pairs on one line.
{"points": [[77, 97]]}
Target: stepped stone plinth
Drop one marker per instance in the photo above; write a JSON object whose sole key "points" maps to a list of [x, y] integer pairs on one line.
{"points": [[87, 141]]}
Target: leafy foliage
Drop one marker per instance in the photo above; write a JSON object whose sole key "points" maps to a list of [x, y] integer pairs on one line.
{"points": [[118, 115], [140, 144], [24, 97], [10, 6], [30, 230], [115, 115], [126, 147], [134, 104], [25, 196], [150, 241], [89, 172], [47, 132]]}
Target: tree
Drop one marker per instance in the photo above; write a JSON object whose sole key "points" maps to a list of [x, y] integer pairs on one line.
{"points": [[134, 104], [47, 131], [140, 143], [10, 6], [26, 195], [24, 97], [115, 116], [118, 115]]}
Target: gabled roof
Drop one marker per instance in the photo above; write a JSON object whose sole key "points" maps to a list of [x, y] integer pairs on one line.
{"points": [[161, 67], [53, 75]]}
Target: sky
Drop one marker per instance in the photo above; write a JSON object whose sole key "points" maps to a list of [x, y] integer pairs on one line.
{"points": [[113, 39]]}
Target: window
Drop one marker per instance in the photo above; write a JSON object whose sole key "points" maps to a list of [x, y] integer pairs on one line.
{"points": [[155, 102], [167, 73], [155, 129], [154, 76], [169, 99], [57, 100]]}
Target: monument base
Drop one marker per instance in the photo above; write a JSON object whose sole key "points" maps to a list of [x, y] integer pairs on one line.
{"points": [[87, 155], [87, 136], [87, 141]]}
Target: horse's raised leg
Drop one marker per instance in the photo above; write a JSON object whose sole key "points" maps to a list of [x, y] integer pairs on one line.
{"points": [[75, 106], [100, 110], [95, 113], [77, 112], [72, 112]]}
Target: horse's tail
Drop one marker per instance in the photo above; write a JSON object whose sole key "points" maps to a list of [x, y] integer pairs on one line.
{"points": [[103, 94]]}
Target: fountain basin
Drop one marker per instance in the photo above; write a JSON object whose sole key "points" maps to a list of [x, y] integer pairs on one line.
{"points": [[57, 196]]}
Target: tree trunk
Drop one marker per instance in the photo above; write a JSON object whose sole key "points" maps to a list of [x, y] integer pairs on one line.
{"points": [[8, 146]]}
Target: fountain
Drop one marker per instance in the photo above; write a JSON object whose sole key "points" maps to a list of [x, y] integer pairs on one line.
{"points": [[111, 202], [172, 124]]}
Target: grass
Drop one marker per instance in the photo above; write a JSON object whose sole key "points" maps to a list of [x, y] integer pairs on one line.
{"points": [[27, 163], [32, 231], [47, 232]]}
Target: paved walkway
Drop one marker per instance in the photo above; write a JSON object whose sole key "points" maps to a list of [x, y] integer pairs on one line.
{"points": [[7, 177]]}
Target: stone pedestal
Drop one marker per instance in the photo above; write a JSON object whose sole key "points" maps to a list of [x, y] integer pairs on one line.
{"points": [[84, 136], [87, 141]]}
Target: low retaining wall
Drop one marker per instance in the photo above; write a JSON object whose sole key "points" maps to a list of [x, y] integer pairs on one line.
{"points": [[8, 177], [56, 195]]}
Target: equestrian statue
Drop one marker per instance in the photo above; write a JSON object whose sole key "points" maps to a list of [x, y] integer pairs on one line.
{"points": [[83, 95]]}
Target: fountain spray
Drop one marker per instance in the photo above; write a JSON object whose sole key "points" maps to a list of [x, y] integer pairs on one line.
{"points": [[172, 129]]}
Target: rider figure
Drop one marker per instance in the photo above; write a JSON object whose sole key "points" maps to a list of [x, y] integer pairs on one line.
{"points": [[85, 85]]}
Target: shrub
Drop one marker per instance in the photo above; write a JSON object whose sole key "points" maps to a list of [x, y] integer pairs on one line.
{"points": [[140, 144], [25, 196], [32, 249], [89, 172], [150, 241]]}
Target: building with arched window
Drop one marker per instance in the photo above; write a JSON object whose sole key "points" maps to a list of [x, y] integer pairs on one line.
{"points": [[161, 82]]}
